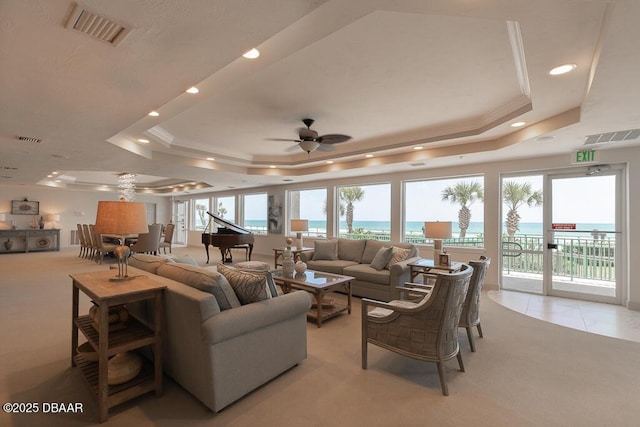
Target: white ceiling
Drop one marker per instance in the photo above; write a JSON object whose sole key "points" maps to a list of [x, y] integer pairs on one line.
{"points": [[448, 75]]}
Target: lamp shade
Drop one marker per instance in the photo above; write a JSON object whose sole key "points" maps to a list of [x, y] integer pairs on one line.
{"points": [[3, 216], [437, 229], [121, 218], [299, 225], [53, 217]]}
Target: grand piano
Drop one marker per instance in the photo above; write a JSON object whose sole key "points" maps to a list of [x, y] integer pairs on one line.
{"points": [[229, 236]]}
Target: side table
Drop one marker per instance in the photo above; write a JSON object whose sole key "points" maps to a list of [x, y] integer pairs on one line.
{"points": [[428, 267], [296, 251], [107, 343]]}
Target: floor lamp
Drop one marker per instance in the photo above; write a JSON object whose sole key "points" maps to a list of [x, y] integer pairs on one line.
{"points": [[437, 230], [121, 218], [299, 225]]}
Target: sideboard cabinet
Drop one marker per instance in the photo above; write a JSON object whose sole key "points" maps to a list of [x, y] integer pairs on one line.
{"points": [[29, 240]]}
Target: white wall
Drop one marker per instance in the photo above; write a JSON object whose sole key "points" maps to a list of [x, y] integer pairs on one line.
{"points": [[80, 206], [73, 206], [492, 204]]}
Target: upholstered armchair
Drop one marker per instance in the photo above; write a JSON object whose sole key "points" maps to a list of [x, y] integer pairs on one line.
{"points": [[426, 330], [148, 242], [470, 315]]}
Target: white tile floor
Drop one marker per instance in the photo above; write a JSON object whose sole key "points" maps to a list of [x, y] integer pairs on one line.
{"points": [[604, 319]]}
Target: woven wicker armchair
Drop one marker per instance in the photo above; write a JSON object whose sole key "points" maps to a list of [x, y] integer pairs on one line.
{"points": [[426, 330], [470, 316]]}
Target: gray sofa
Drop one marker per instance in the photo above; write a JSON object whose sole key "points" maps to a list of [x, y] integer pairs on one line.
{"points": [[221, 355], [356, 258]]}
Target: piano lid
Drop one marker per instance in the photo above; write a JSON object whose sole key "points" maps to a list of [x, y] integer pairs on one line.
{"points": [[229, 225]]}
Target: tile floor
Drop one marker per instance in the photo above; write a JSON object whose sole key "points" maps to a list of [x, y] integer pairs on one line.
{"points": [[604, 319]]}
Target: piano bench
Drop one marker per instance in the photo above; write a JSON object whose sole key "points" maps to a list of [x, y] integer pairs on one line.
{"points": [[246, 250]]}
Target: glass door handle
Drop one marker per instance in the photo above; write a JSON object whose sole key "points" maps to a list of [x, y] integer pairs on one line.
{"points": [[552, 246]]}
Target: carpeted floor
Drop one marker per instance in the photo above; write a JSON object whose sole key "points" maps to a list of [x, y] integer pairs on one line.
{"points": [[526, 372]]}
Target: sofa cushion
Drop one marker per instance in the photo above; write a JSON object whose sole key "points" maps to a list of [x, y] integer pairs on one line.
{"points": [[206, 280], [327, 266], [148, 263], [371, 249], [366, 273], [249, 287], [351, 249], [382, 258], [325, 250], [186, 259], [397, 255]]}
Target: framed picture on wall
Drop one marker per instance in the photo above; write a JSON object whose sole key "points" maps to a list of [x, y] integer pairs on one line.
{"points": [[25, 207]]}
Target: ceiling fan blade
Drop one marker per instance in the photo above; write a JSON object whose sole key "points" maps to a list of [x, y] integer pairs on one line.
{"points": [[333, 138], [326, 147], [282, 139]]}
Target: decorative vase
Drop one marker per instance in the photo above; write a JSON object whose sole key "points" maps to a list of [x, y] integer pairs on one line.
{"points": [[300, 267], [287, 262], [41, 223], [8, 244]]}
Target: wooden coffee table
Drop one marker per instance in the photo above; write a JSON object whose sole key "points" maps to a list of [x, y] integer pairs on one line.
{"points": [[318, 283]]}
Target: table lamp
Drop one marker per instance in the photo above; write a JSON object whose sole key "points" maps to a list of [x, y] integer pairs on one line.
{"points": [[437, 230], [53, 219], [299, 225], [121, 218]]}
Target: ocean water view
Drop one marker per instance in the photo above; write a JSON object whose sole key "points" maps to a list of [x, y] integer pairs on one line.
{"points": [[415, 227]]}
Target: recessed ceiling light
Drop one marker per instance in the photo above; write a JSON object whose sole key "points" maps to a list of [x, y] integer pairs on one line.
{"points": [[193, 89], [49, 176], [143, 141], [518, 124], [272, 166], [154, 114], [329, 162], [210, 159], [252, 54], [369, 155], [418, 148], [55, 173], [563, 69]]}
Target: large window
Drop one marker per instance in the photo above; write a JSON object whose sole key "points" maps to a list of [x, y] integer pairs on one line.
{"points": [[312, 206], [365, 211], [255, 212], [459, 200], [199, 217], [225, 208]]}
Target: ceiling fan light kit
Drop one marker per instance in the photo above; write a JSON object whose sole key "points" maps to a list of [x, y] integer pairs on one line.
{"points": [[309, 140], [308, 146]]}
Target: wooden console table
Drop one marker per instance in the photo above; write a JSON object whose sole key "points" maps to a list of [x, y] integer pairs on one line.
{"points": [[29, 240], [135, 335]]}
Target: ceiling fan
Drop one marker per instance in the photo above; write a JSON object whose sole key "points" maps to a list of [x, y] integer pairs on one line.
{"points": [[309, 140]]}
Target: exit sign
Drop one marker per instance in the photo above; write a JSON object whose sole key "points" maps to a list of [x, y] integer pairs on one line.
{"points": [[585, 156]]}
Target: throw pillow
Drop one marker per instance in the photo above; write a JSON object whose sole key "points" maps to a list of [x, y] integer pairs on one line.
{"points": [[325, 249], [204, 279], [397, 255], [248, 287], [382, 258], [268, 274]]}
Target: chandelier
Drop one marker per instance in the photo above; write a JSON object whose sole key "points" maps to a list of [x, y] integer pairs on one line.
{"points": [[127, 186]]}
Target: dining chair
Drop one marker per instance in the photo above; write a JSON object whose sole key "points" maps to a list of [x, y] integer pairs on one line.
{"points": [[148, 242], [424, 330], [83, 242], [101, 247], [470, 315], [168, 237], [90, 243]]}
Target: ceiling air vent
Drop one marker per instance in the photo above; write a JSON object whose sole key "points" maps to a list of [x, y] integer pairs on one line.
{"points": [[29, 139], [96, 26], [609, 137]]}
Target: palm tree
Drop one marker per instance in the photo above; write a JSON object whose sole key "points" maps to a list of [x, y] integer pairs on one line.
{"points": [[349, 195], [221, 210], [464, 194], [515, 195]]}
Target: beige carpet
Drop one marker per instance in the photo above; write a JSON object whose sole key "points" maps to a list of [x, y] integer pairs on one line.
{"points": [[525, 373]]}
